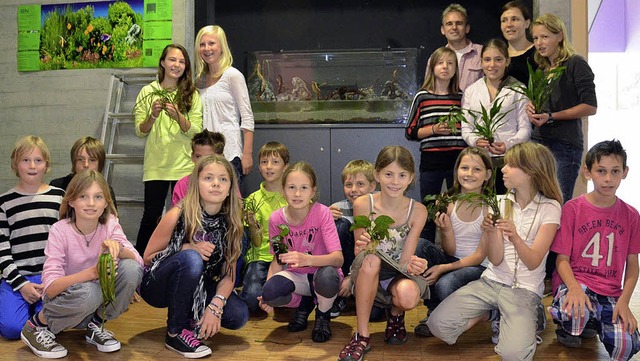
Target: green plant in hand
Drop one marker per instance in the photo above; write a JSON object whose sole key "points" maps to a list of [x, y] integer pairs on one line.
{"points": [[540, 85], [453, 118], [487, 121], [278, 244], [437, 203], [107, 278], [165, 96], [488, 198], [377, 228]]}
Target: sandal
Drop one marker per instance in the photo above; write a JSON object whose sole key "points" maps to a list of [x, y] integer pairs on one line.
{"points": [[355, 350], [299, 319], [395, 333], [321, 330]]}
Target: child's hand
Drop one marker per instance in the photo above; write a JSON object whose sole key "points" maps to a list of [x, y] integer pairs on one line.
{"points": [[345, 291], [576, 303], [172, 111], [432, 274], [266, 308], [508, 229], [205, 249], [442, 221], [441, 129], [625, 315], [156, 108], [498, 148], [335, 212], [416, 265], [209, 325], [487, 223], [362, 242], [112, 246], [530, 109], [296, 259], [482, 143], [31, 292]]}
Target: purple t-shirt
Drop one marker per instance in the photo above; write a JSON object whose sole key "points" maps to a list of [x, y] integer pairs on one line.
{"points": [[316, 235], [597, 241]]}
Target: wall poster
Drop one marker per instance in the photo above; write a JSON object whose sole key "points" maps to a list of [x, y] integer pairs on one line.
{"points": [[99, 34]]}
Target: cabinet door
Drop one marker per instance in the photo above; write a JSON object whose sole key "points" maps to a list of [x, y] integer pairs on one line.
{"points": [[308, 144], [365, 143]]}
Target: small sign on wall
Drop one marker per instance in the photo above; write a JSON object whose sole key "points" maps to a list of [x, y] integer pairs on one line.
{"points": [[99, 34]]}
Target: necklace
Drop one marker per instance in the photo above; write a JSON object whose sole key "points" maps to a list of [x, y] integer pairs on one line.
{"points": [[515, 283], [87, 241]]}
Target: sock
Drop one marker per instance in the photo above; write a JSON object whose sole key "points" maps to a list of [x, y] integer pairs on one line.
{"points": [[96, 319], [36, 321]]}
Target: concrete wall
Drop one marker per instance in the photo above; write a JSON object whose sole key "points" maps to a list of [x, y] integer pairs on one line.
{"points": [[59, 106]]}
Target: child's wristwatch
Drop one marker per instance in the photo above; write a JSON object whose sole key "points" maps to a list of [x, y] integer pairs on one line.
{"points": [[550, 121]]}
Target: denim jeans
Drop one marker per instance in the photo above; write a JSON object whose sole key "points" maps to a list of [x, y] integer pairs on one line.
{"points": [[172, 285], [569, 159], [431, 183], [347, 242], [254, 278]]}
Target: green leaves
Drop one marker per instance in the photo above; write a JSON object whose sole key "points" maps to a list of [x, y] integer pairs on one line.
{"points": [[489, 199], [377, 228], [284, 230], [540, 85], [486, 122], [166, 96], [277, 242], [453, 118], [437, 203], [107, 278]]}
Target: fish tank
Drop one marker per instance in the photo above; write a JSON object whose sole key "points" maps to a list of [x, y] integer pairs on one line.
{"points": [[338, 86]]}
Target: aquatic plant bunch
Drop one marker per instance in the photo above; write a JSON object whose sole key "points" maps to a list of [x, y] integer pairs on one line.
{"points": [[487, 122], [453, 119], [165, 96], [437, 203], [107, 279], [540, 85], [278, 244], [378, 228], [488, 198]]}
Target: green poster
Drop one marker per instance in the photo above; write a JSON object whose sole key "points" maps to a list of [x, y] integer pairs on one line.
{"points": [[28, 17], [154, 30], [29, 40], [157, 10], [152, 49], [28, 61]]}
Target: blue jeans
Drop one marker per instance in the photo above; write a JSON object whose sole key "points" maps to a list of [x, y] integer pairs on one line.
{"points": [[172, 285], [347, 242], [254, 278], [431, 183], [15, 310], [569, 159]]}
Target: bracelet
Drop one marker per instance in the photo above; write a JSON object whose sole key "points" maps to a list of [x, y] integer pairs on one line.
{"points": [[433, 131], [216, 306], [214, 312], [152, 117], [221, 297]]}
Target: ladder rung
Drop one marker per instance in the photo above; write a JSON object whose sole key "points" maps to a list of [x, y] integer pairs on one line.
{"points": [[125, 158], [120, 115], [129, 200]]}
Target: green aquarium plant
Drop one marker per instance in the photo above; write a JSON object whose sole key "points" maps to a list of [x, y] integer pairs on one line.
{"points": [[487, 121], [278, 243], [540, 85], [378, 228], [488, 198], [166, 96], [438, 203], [454, 117]]}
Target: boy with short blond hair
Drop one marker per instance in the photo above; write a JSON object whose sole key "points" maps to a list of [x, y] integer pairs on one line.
{"points": [[202, 144], [27, 211], [273, 158], [357, 180], [597, 266]]}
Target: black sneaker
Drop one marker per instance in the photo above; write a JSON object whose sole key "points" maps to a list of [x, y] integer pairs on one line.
{"points": [[102, 338], [567, 339], [299, 319], [42, 341], [422, 329], [321, 330], [187, 344], [338, 306]]}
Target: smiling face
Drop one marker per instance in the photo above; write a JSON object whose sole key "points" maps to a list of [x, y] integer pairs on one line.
{"points": [[494, 63], [513, 25], [209, 49], [472, 174], [356, 185], [606, 174], [299, 190], [174, 64], [272, 167], [90, 204], [85, 162], [455, 27], [546, 42], [394, 180], [214, 185], [32, 167]]}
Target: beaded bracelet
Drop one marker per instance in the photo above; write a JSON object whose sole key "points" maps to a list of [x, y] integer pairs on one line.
{"points": [[215, 313], [216, 306]]}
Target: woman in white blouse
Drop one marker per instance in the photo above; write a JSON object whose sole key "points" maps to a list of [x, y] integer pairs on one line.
{"points": [[225, 98], [496, 87]]}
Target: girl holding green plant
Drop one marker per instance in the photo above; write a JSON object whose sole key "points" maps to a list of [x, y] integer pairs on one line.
{"points": [[496, 117], [434, 121], [392, 283], [71, 277], [517, 246], [168, 113], [558, 123], [463, 255]]}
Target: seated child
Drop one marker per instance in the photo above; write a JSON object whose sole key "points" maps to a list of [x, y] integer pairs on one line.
{"points": [[357, 180], [86, 153], [273, 159], [73, 296], [597, 264], [27, 211], [203, 144]]}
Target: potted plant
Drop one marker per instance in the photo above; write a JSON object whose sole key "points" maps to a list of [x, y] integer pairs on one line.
{"points": [[540, 85]]}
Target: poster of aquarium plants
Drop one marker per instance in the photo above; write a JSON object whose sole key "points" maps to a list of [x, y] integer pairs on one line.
{"points": [[100, 34]]}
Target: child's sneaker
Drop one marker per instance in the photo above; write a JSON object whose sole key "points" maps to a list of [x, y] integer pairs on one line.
{"points": [[42, 341], [567, 339], [422, 329], [187, 344], [102, 338], [355, 350], [338, 306]]}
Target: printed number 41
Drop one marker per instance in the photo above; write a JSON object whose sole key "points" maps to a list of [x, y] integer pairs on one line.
{"points": [[595, 255]]}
